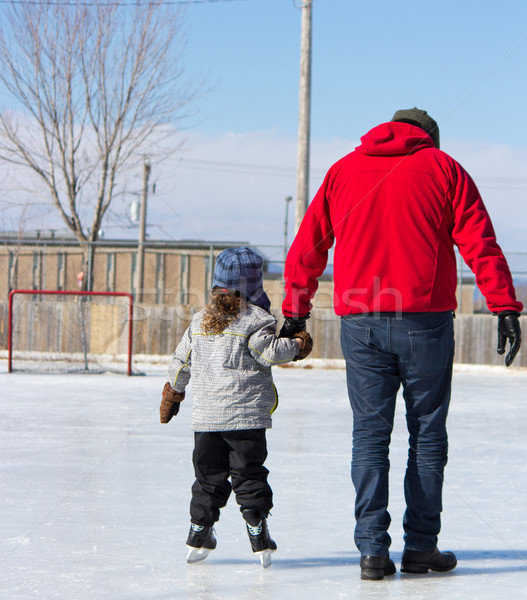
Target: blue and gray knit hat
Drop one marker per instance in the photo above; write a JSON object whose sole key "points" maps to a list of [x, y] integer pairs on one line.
{"points": [[241, 269]]}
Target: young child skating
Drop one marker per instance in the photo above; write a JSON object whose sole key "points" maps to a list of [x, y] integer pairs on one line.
{"points": [[229, 349]]}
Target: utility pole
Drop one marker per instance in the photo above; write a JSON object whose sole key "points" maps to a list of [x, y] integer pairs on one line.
{"points": [[142, 233], [304, 116]]}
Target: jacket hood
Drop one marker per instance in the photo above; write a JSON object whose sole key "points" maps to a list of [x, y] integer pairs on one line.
{"points": [[393, 139]]}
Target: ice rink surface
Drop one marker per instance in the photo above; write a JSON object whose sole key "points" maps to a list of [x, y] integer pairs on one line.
{"points": [[95, 493]]}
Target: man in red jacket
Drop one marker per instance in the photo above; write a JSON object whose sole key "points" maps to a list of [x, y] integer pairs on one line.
{"points": [[395, 208]]}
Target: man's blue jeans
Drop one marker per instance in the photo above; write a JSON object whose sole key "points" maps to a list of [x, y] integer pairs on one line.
{"points": [[382, 353]]}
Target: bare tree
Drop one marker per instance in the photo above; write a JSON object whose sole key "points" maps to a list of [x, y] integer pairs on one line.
{"points": [[91, 85]]}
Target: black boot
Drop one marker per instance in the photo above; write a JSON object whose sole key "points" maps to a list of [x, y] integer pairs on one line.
{"points": [[261, 542], [201, 540], [260, 538], [416, 561], [376, 567]]}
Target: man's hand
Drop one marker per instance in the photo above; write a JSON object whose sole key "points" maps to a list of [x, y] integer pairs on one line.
{"points": [[169, 403], [509, 329], [292, 326]]}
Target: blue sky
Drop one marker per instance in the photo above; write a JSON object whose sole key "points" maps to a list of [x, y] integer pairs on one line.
{"points": [[464, 61]]}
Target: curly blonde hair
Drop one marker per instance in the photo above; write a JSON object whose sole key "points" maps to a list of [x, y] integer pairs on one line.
{"points": [[222, 309]]}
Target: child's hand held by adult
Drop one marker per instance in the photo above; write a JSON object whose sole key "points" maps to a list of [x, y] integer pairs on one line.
{"points": [[305, 344]]}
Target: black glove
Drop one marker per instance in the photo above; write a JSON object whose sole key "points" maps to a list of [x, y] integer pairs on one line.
{"points": [[292, 326], [509, 329]]}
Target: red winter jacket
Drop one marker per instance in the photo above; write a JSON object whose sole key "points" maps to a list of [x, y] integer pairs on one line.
{"points": [[395, 208]]}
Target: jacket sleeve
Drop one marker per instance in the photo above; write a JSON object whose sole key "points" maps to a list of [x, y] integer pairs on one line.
{"points": [[269, 350], [474, 235], [180, 363], [308, 255]]}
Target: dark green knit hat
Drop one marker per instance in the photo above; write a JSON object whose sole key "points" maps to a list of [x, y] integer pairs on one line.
{"points": [[420, 118]]}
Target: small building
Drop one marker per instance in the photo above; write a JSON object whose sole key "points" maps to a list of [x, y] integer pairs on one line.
{"points": [[175, 272]]}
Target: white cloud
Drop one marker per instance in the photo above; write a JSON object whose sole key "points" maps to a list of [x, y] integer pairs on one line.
{"points": [[233, 187], [499, 172]]}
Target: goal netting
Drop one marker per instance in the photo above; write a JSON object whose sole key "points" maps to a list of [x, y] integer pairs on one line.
{"points": [[63, 331]]}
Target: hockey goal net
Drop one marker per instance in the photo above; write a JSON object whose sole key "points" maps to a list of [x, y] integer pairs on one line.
{"points": [[66, 331]]}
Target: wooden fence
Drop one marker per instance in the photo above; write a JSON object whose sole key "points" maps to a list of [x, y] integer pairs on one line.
{"points": [[158, 329]]}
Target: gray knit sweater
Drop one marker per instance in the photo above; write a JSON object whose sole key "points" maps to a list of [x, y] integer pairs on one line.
{"points": [[232, 384]]}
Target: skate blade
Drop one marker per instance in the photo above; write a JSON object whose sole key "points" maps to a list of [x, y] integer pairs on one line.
{"points": [[265, 558], [197, 554]]}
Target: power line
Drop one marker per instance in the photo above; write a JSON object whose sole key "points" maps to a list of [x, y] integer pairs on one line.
{"points": [[240, 168], [219, 163], [499, 182]]}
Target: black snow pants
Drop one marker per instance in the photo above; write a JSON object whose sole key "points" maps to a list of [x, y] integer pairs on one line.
{"points": [[238, 455]]}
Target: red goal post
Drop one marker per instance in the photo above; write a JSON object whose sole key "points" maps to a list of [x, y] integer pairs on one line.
{"points": [[76, 334]]}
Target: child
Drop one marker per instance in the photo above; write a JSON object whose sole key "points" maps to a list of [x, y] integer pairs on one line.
{"points": [[229, 349]]}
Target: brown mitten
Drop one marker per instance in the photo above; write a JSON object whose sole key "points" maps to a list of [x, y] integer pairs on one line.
{"points": [[170, 403], [306, 344]]}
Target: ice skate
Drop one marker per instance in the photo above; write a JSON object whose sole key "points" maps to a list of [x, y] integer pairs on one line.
{"points": [[261, 542], [200, 542]]}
